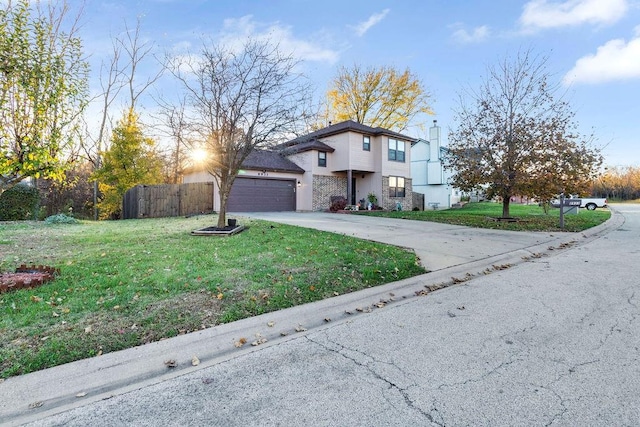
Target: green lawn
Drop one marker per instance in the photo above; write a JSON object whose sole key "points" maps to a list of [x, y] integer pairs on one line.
{"points": [[126, 283], [481, 215]]}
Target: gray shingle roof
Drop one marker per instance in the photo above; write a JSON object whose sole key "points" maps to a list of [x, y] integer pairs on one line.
{"points": [[270, 161], [312, 144], [341, 127]]}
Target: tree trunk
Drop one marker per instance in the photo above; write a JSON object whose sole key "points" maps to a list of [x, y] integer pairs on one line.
{"points": [[505, 206], [222, 214]]}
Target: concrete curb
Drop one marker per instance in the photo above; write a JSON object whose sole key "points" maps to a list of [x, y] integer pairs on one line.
{"points": [[40, 394]]}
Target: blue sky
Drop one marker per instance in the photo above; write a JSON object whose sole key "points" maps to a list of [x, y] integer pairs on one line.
{"points": [[593, 45]]}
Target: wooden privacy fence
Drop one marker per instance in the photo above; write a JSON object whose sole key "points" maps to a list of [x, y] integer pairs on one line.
{"points": [[160, 201]]}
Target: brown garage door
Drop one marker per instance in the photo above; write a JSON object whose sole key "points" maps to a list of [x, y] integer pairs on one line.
{"points": [[262, 195]]}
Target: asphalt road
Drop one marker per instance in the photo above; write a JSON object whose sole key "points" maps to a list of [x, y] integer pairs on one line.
{"points": [[551, 341]]}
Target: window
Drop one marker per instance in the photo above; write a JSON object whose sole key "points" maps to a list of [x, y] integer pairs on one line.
{"points": [[396, 150], [322, 158], [366, 143], [396, 186]]}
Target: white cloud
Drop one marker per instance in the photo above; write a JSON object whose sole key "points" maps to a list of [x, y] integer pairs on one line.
{"points": [[374, 19], [236, 31], [479, 34], [615, 60], [539, 14]]}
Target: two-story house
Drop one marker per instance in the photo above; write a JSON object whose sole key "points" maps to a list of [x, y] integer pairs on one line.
{"points": [[428, 172], [344, 159]]}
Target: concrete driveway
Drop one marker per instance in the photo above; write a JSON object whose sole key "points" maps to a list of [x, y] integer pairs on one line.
{"points": [[438, 246]]}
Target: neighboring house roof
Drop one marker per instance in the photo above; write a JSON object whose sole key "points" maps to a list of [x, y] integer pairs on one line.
{"points": [[342, 127], [270, 161]]}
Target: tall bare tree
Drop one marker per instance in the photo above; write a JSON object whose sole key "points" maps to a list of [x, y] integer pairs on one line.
{"points": [[239, 100], [173, 116], [121, 72], [43, 88], [514, 137], [378, 96]]}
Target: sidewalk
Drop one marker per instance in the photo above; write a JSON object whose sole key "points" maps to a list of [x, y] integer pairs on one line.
{"points": [[453, 254]]}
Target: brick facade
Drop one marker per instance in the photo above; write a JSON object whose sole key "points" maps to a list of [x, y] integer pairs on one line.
{"points": [[389, 203], [324, 187]]}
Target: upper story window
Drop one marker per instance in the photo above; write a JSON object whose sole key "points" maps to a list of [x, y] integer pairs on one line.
{"points": [[396, 150], [366, 143], [322, 158], [396, 186]]}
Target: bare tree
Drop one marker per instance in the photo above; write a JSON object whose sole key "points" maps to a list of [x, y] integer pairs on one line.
{"points": [[515, 138], [239, 100], [176, 128], [129, 51]]}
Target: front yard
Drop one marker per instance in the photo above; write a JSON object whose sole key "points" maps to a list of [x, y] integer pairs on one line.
{"points": [[126, 283], [480, 215]]}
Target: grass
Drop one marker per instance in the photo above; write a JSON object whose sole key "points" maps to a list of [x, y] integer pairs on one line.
{"points": [[480, 215], [126, 283]]}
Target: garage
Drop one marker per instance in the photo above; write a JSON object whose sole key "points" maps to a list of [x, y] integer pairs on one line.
{"points": [[262, 195]]}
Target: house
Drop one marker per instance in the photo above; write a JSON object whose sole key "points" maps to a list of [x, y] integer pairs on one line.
{"points": [[346, 159], [429, 175]]}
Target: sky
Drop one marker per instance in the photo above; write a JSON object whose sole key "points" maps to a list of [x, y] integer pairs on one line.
{"points": [[593, 46]]}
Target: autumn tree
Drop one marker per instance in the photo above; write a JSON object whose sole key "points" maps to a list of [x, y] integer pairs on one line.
{"points": [[238, 100], [514, 136], [43, 89], [378, 97], [130, 161]]}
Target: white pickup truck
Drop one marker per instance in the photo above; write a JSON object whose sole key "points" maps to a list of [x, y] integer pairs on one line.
{"points": [[592, 204], [588, 203]]}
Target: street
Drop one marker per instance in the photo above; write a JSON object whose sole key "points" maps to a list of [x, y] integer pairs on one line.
{"points": [[552, 341]]}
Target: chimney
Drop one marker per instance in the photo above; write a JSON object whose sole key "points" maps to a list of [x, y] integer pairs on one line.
{"points": [[434, 142]]}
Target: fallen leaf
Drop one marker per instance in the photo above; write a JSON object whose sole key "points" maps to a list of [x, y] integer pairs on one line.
{"points": [[82, 394], [35, 298], [220, 295], [171, 363], [283, 334], [54, 314], [195, 361], [259, 341], [326, 319], [88, 329], [35, 405], [240, 342], [300, 328]]}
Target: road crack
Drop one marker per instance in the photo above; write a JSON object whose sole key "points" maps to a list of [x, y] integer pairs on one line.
{"points": [[342, 350]]}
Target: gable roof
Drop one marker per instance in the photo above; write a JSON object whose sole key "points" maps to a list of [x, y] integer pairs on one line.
{"points": [[270, 161], [342, 127]]}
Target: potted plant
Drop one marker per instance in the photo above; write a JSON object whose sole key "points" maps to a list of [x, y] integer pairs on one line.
{"points": [[373, 201]]}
